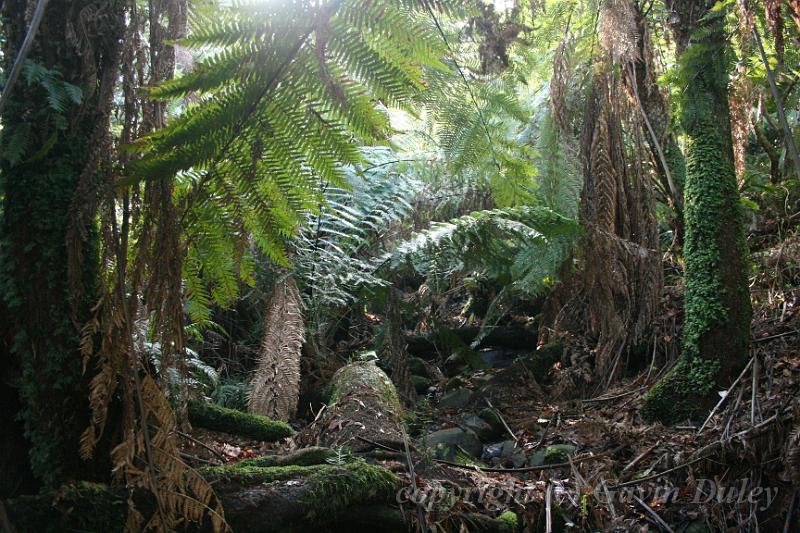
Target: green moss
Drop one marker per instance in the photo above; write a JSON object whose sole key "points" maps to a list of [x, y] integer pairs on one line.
{"points": [[79, 506], [334, 491], [249, 474], [356, 376], [420, 383], [716, 329], [511, 521], [332, 488], [683, 393], [217, 418]]}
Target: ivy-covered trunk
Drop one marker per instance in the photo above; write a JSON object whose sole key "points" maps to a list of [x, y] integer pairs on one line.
{"points": [[716, 332], [54, 141]]}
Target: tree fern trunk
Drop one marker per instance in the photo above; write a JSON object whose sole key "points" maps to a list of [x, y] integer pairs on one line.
{"points": [[716, 332], [50, 172], [275, 386], [393, 350]]}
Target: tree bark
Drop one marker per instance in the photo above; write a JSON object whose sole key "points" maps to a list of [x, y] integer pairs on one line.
{"points": [[716, 333], [50, 154]]}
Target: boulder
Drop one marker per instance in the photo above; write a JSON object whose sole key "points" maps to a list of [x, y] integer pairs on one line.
{"points": [[456, 399], [445, 443]]}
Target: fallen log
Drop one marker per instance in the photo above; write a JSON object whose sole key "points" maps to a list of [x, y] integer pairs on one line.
{"points": [[216, 418], [255, 499]]}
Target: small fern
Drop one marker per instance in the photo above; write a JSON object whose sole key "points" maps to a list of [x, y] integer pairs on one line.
{"points": [[342, 455]]}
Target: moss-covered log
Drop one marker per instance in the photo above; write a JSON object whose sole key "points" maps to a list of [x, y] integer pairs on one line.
{"points": [[209, 416], [363, 405], [256, 499]]}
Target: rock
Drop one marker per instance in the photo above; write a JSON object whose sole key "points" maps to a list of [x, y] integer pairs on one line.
{"points": [[499, 449], [417, 366], [519, 459], [454, 383], [493, 419], [446, 442], [481, 427], [558, 453], [498, 358], [421, 384], [456, 399], [537, 459]]}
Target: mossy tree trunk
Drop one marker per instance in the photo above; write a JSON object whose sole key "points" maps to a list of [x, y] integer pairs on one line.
{"points": [[52, 147], [716, 330]]}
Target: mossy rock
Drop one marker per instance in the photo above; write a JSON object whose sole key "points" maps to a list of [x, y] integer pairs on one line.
{"points": [[417, 366], [421, 384], [216, 418], [493, 419], [456, 399], [558, 453]]}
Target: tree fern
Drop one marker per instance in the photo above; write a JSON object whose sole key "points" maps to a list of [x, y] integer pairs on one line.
{"points": [[274, 114], [519, 245]]}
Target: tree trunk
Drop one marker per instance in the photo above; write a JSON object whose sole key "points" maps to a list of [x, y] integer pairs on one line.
{"points": [[393, 349], [275, 385], [53, 143], [716, 331]]}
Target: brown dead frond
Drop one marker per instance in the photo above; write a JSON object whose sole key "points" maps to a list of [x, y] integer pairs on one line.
{"points": [[275, 386]]}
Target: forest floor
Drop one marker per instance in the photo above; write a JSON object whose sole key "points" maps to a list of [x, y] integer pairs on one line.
{"points": [[562, 462]]}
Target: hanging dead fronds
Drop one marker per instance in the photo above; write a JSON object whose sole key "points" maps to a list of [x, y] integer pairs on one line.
{"points": [[559, 84], [613, 295], [773, 9], [275, 386]]}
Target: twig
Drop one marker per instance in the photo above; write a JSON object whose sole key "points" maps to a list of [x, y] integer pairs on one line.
{"points": [[615, 397], [727, 393], [778, 336], [523, 469], [186, 436], [4, 521], [754, 392], [654, 515], [641, 456], [516, 439], [656, 476], [420, 513], [787, 526], [191, 457], [548, 499]]}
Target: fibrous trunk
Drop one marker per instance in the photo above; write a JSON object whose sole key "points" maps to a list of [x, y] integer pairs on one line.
{"points": [[275, 387]]}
